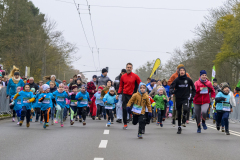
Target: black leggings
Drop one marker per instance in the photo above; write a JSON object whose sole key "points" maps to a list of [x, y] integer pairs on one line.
{"points": [[82, 111], [37, 112], [125, 99], [99, 110], [110, 114], [182, 104], [25, 112], [139, 119]]}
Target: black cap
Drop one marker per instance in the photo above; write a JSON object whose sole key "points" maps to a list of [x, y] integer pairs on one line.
{"points": [[104, 70], [214, 80], [94, 76], [124, 70], [16, 73], [153, 80]]}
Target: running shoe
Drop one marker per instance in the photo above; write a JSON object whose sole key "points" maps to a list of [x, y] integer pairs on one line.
{"points": [[84, 123], [223, 130], [13, 119], [184, 125], [179, 130], [161, 124], [140, 136], [109, 123], [44, 125], [218, 127], [61, 124], [204, 126], [125, 126], [227, 132], [157, 123], [199, 130], [71, 122], [80, 120], [93, 118], [20, 123], [56, 121], [28, 124]]}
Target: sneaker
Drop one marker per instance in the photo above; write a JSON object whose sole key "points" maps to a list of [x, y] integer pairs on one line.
{"points": [[187, 122], [140, 136], [223, 130], [218, 127], [179, 130], [44, 125], [157, 123], [125, 126], [109, 123], [184, 125], [227, 132], [93, 118], [30, 120], [41, 122], [80, 120], [199, 130], [20, 123], [28, 124], [71, 122], [13, 119], [204, 126], [61, 124], [161, 124], [84, 123]]}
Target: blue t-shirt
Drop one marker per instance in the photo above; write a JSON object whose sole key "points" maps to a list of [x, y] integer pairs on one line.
{"points": [[25, 97], [84, 101], [47, 102], [18, 103], [60, 98], [98, 99], [37, 104]]}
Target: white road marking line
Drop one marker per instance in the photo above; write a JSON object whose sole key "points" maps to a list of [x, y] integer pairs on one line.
{"points": [[98, 158], [103, 144], [106, 132]]}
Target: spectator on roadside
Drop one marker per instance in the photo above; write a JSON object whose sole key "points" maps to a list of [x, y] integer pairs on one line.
{"points": [[32, 84]]}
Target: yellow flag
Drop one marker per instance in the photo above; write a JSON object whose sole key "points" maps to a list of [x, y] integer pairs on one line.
{"points": [[155, 67]]}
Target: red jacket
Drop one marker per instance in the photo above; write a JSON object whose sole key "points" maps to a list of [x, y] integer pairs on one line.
{"points": [[127, 83], [203, 98], [91, 87]]}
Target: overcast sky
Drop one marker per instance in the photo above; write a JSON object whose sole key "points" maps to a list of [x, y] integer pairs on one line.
{"points": [[126, 29]]}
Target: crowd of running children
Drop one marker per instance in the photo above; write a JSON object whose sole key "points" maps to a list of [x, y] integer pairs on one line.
{"points": [[123, 100]]}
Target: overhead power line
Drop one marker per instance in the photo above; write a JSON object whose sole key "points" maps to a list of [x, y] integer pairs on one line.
{"points": [[84, 32], [147, 8]]}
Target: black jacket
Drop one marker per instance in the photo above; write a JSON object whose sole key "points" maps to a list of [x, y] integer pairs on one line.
{"points": [[34, 85], [117, 82], [181, 87]]}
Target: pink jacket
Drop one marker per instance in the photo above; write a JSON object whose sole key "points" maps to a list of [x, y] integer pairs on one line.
{"points": [[202, 97]]}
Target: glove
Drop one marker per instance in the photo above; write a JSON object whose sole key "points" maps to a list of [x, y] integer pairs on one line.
{"points": [[149, 114], [129, 110], [81, 98]]}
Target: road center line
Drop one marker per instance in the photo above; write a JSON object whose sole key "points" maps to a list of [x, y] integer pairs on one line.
{"points": [[106, 132], [103, 144]]}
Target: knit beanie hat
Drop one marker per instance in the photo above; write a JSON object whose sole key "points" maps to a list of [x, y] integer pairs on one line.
{"points": [[180, 65], [45, 87], [100, 87], [224, 85], [95, 76], [111, 89], [202, 72], [53, 76], [104, 70]]}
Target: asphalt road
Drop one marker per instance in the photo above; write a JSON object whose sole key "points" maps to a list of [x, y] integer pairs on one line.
{"points": [[83, 142]]}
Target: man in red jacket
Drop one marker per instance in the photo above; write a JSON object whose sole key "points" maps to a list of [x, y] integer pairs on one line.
{"points": [[128, 84]]}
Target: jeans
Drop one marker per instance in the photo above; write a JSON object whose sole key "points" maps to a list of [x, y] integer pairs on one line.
{"points": [[82, 111], [160, 115], [223, 117], [139, 119]]}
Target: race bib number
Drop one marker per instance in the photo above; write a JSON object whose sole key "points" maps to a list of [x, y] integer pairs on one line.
{"points": [[25, 100], [204, 90], [60, 99], [18, 101], [226, 106], [73, 103], [99, 100], [109, 106], [46, 101], [137, 109], [84, 101]]}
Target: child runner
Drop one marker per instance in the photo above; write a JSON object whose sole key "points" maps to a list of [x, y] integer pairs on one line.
{"points": [[18, 105], [27, 99], [32, 109], [47, 100], [99, 102], [105, 91], [60, 96], [223, 107], [37, 105], [110, 100], [140, 100], [83, 100], [160, 100], [73, 103]]}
